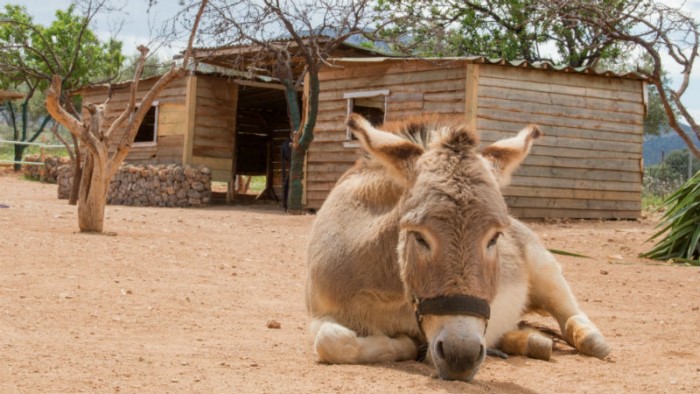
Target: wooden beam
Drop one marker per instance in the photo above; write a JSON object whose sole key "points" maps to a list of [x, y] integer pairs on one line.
{"points": [[231, 191], [190, 108], [264, 85], [305, 112], [471, 94]]}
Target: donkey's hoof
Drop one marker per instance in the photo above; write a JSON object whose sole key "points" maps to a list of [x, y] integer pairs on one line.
{"points": [[539, 347], [594, 345], [582, 334]]}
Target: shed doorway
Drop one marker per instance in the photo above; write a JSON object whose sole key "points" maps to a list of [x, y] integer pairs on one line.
{"points": [[262, 126]]}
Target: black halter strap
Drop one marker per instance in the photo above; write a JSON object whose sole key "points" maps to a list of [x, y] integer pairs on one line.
{"points": [[451, 305]]}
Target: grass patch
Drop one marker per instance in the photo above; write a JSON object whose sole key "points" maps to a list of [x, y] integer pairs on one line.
{"points": [[257, 184], [651, 202], [7, 151]]}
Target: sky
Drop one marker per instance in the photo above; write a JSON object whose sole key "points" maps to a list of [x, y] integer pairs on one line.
{"points": [[137, 20]]}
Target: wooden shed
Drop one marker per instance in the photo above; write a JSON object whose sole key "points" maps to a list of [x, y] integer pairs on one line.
{"points": [[588, 165], [208, 119]]}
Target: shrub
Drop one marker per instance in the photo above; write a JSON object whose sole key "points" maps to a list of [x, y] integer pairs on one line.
{"points": [[680, 226]]}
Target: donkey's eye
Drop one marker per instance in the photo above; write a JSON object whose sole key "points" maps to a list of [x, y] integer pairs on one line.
{"points": [[420, 240], [493, 240]]}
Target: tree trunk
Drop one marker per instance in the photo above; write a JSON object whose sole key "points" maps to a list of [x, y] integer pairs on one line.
{"points": [[94, 185], [75, 186], [77, 171], [301, 145], [19, 151], [296, 180]]}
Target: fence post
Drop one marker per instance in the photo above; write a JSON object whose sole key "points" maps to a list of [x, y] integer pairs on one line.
{"points": [[690, 164]]}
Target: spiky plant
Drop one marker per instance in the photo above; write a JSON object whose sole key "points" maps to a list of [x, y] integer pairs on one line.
{"points": [[679, 231]]}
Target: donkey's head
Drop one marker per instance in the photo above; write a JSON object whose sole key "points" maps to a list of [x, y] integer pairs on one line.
{"points": [[452, 214]]}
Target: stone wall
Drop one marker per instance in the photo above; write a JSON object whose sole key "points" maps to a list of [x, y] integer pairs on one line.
{"points": [[169, 185], [49, 169]]}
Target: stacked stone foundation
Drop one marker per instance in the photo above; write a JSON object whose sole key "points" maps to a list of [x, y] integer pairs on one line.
{"points": [[46, 173], [169, 185]]}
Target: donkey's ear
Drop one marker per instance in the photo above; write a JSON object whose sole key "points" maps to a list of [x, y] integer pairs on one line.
{"points": [[395, 153], [506, 155]]}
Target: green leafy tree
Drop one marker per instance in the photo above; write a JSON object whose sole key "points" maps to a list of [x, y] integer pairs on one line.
{"points": [[677, 162], [31, 53], [509, 29]]}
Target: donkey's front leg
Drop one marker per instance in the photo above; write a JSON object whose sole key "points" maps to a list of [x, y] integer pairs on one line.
{"points": [[337, 344], [550, 292]]}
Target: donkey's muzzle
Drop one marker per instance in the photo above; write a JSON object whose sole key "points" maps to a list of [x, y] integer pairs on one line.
{"points": [[458, 356]]}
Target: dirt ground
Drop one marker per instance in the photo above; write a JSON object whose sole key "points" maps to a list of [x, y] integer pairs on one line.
{"points": [[179, 300]]}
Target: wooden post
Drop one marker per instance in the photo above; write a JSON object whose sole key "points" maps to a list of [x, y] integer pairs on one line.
{"points": [[305, 101], [471, 94], [190, 107], [690, 165], [231, 190], [42, 169]]}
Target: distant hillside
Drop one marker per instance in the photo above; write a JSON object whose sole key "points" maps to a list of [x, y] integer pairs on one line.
{"points": [[655, 146]]}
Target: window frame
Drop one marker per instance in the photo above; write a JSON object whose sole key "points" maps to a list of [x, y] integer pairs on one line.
{"points": [[350, 142], [156, 105]]}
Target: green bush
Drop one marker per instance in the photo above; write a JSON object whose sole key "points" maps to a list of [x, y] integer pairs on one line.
{"points": [[661, 180], [679, 234]]}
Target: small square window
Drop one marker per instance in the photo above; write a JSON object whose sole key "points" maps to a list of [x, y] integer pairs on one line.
{"points": [[370, 104], [148, 130]]}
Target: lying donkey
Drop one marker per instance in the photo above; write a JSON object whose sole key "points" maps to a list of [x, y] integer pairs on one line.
{"points": [[415, 246]]}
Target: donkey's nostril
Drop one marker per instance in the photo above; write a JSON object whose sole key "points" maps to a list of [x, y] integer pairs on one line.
{"points": [[439, 350]]}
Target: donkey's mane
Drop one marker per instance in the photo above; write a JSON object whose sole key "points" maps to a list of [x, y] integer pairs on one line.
{"points": [[424, 129]]}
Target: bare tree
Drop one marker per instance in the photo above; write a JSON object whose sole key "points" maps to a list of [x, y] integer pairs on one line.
{"points": [[100, 165], [281, 35], [656, 30]]}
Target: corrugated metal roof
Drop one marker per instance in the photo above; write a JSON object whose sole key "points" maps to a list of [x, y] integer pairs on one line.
{"points": [[540, 65], [222, 73]]}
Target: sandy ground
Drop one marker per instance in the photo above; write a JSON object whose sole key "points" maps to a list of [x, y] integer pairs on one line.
{"points": [[179, 300]]}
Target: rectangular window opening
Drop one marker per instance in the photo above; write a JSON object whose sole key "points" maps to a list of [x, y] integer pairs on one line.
{"points": [[148, 130], [371, 105]]}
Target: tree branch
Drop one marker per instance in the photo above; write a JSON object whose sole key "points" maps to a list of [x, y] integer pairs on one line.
{"points": [[136, 117], [75, 127]]}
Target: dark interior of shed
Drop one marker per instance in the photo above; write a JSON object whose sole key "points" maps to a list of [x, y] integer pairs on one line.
{"points": [[262, 126]]}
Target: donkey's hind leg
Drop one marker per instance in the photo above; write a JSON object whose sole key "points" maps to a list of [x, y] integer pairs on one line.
{"points": [[337, 344], [550, 292]]}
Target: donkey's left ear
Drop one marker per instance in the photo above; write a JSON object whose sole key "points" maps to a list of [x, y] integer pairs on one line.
{"points": [[395, 153], [505, 156]]}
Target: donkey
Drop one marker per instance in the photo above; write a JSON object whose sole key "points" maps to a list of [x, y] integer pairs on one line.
{"points": [[414, 247]]}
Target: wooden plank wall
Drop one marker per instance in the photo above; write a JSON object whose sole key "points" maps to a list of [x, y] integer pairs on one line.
{"points": [[214, 125], [414, 87], [588, 165], [171, 132], [171, 100]]}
